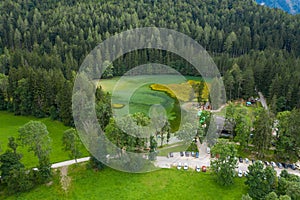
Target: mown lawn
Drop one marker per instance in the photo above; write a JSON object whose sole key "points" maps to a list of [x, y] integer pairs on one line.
{"points": [[161, 184], [10, 124], [135, 93], [137, 90]]}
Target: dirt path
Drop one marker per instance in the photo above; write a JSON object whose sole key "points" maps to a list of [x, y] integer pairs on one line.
{"points": [[65, 180]]}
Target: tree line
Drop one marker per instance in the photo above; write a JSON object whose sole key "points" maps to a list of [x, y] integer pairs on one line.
{"points": [[254, 47]]}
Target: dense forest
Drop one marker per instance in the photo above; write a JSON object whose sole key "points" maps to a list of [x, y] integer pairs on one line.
{"points": [[43, 43]]}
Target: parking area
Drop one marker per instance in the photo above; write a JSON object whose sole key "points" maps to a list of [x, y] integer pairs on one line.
{"points": [[204, 160]]}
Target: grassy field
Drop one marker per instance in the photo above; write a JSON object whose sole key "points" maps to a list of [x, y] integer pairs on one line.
{"points": [[161, 184], [9, 127], [135, 93], [136, 90]]}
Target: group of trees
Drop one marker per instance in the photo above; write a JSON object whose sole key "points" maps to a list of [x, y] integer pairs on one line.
{"points": [[137, 132], [14, 174], [38, 92], [262, 181], [263, 129], [264, 184], [41, 47], [275, 73]]}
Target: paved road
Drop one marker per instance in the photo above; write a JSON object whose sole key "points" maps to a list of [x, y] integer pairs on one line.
{"points": [[263, 100], [165, 162], [69, 162]]}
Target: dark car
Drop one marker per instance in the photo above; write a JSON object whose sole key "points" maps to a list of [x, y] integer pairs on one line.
{"points": [[279, 165], [284, 165], [241, 159], [171, 154], [197, 154], [253, 161], [187, 154], [292, 166], [181, 153]]}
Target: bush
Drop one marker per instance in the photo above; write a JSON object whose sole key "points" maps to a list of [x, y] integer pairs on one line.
{"points": [[19, 181]]}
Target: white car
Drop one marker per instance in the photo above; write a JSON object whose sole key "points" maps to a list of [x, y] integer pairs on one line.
{"points": [[185, 166], [246, 160], [179, 165], [198, 169], [208, 150], [273, 164], [240, 173]]}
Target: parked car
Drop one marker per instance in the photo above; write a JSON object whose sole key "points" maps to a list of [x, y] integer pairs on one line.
{"points": [[292, 166], [240, 173], [279, 165], [185, 166], [203, 168], [284, 165], [273, 164], [208, 150], [193, 154], [267, 163], [246, 160], [171, 154], [297, 166], [179, 165], [253, 161], [198, 168], [187, 154], [245, 173], [181, 153], [197, 154], [241, 159]]}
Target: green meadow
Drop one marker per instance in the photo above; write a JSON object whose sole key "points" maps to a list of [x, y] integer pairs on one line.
{"points": [[160, 184], [10, 124], [135, 93]]}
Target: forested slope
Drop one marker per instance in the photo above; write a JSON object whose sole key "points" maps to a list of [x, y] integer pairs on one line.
{"points": [[44, 42]]}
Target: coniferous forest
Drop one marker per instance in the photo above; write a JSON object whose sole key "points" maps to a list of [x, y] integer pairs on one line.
{"points": [[43, 43]]}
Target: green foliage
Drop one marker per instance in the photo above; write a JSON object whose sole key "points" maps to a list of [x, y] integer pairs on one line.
{"points": [[238, 120], [187, 133], [288, 185], [108, 73], [94, 163], [20, 181], [260, 181], [271, 196], [34, 135], [89, 183], [288, 143], [262, 132], [153, 146], [246, 197], [224, 166], [285, 197], [72, 143], [10, 160], [10, 125], [40, 53], [293, 190]]}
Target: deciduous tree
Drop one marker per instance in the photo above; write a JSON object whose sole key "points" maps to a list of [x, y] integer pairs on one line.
{"points": [[224, 166]]}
